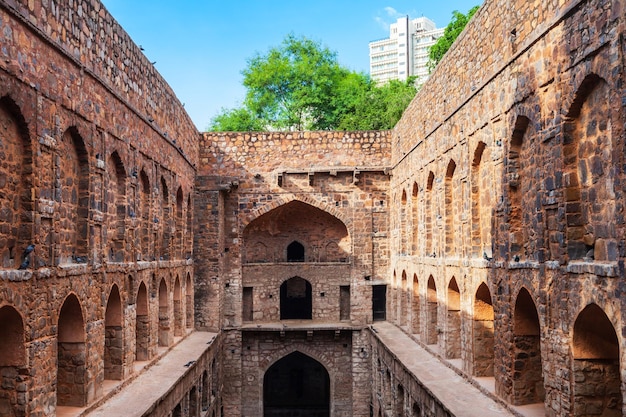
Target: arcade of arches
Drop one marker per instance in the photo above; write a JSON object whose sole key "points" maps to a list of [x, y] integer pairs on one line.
{"points": [[473, 253]]}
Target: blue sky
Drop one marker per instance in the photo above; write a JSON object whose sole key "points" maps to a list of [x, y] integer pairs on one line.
{"points": [[201, 46]]}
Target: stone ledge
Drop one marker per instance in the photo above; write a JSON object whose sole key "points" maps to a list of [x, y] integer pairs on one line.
{"points": [[596, 268], [15, 275]]}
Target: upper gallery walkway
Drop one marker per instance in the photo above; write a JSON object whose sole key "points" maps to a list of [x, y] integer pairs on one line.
{"points": [[460, 396]]}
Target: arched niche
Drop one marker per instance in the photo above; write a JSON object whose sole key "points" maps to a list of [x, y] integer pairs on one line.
{"points": [[164, 315], [528, 385], [142, 324], [483, 332], [596, 365], [300, 222], [431, 312], [453, 317], [113, 337], [72, 381], [296, 385]]}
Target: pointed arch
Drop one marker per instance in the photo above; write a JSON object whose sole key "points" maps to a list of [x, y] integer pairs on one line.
{"points": [[16, 199], [528, 373], [432, 306], [166, 226], [72, 383], [189, 307], [142, 324], [403, 224], [483, 332], [450, 209], [481, 203], [589, 188], [113, 336], [179, 222], [116, 207], [596, 365], [178, 308], [518, 177], [416, 306], [189, 226], [295, 252], [308, 387], [453, 330], [298, 222], [404, 301], [13, 361], [430, 247], [414, 218], [164, 315], [73, 196], [146, 225]]}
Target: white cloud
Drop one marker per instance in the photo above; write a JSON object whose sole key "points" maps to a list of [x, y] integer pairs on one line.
{"points": [[386, 17]]}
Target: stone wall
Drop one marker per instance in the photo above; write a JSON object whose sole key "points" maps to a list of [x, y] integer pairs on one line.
{"points": [[259, 193], [95, 148], [509, 188]]}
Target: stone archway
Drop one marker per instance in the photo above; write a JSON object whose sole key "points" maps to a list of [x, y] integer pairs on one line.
{"points": [[71, 354], [296, 385], [596, 367]]}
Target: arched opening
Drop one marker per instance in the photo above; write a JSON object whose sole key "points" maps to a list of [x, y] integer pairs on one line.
{"points": [[400, 401], [178, 309], [527, 373], [16, 201], [596, 368], [429, 215], [165, 221], [481, 219], [73, 190], [404, 301], [519, 176], [431, 312], [145, 253], [204, 389], [193, 402], [589, 189], [296, 385], [453, 331], [142, 325], [296, 299], [113, 337], [116, 207], [483, 332], [179, 222], [164, 315], [403, 224], [189, 302], [309, 229], [415, 306], [189, 225], [71, 355], [450, 209], [415, 219], [295, 252], [12, 362]]}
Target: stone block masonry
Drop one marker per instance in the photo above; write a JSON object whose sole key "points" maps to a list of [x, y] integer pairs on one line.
{"points": [[483, 236]]}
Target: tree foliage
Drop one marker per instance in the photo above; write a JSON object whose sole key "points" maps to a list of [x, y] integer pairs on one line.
{"points": [[450, 33], [301, 86]]}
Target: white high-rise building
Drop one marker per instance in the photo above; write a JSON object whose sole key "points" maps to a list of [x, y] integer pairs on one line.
{"points": [[405, 52]]}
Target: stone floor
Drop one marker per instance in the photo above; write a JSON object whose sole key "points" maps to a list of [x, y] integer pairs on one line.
{"points": [[133, 399], [446, 383]]}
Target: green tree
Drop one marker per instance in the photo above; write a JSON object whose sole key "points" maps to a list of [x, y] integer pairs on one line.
{"points": [[301, 86], [450, 33], [236, 120], [291, 86]]}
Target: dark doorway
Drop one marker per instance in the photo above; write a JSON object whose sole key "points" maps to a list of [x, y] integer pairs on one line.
{"points": [[379, 302], [295, 252], [296, 385], [296, 299]]}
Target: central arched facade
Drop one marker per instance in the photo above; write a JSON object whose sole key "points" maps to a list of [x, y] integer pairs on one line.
{"points": [[296, 385]]}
